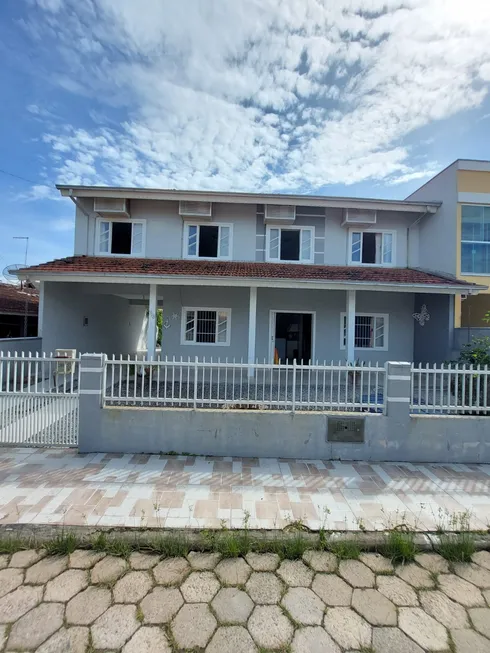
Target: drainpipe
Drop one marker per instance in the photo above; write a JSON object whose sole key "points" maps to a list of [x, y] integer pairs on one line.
{"points": [[408, 233]]}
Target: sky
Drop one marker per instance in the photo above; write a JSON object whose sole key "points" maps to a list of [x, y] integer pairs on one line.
{"points": [[366, 98]]}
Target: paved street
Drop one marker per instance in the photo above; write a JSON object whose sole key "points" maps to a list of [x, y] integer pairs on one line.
{"points": [[59, 486], [90, 602]]}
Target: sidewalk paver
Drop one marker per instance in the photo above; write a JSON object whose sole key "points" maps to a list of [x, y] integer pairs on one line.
{"points": [[271, 611]]}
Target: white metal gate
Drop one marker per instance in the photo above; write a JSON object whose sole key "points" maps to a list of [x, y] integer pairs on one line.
{"points": [[39, 400]]}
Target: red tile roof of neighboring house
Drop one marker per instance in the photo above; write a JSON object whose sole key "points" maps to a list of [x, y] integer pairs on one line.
{"points": [[98, 265], [13, 300]]}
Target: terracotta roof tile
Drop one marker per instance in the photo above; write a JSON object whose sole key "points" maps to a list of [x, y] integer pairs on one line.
{"points": [[13, 299], [250, 270]]}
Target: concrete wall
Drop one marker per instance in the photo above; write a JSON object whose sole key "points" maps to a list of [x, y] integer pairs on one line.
{"points": [[464, 336], [26, 345], [433, 342], [113, 325]]}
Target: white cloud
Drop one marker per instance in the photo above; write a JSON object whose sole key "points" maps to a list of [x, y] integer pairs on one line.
{"points": [[260, 94], [40, 192]]}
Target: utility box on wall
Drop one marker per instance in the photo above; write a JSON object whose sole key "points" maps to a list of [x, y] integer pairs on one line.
{"points": [[345, 429]]}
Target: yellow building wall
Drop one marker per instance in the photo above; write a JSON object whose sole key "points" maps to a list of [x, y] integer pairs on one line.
{"points": [[470, 181]]}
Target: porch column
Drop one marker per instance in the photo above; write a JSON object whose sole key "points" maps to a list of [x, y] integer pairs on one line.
{"points": [[351, 325], [252, 324], [151, 337]]}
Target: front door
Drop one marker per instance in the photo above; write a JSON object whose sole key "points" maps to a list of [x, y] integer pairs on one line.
{"points": [[292, 336]]}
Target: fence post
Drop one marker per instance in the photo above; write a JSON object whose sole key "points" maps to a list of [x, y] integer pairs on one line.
{"points": [[294, 387], [92, 368], [397, 392]]}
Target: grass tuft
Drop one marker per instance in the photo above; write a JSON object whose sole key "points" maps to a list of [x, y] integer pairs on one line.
{"points": [[345, 549], [11, 545], [400, 547], [457, 547], [170, 545], [62, 544]]}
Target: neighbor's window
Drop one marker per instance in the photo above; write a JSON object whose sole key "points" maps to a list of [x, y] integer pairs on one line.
{"points": [[290, 244], [475, 239], [372, 247], [206, 326], [124, 238], [207, 241], [370, 331]]}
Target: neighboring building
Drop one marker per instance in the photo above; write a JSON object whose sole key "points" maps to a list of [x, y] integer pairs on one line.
{"points": [[250, 276], [18, 310], [457, 238]]}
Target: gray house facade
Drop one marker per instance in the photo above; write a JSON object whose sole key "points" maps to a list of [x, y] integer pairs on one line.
{"points": [[247, 277]]}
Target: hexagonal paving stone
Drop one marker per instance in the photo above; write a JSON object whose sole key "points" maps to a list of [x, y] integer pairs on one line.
{"points": [[433, 562], [374, 607], [233, 571], [10, 579], [461, 591], [332, 589], [467, 641], [480, 618], [231, 638], [203, 561], [161, 605], [232, 606], [397, 590], [132, 587], [263, 561], [447, 612], [482, 558], [200, 587], [18, 602], [392, 640], [4, 560], [108, 570], [269, 627], [171, 571], [486, 594], [66, 640], [295, 573], [475, 574], [113, 629], [87, 606], [356, 573], [66, 585], [415, 576], [313, 640], [36, 626], [45, 570], [82, 559], [143, 561], [149, 639], [347, 628], [423, 629], [193, 626], [320, 560], [304, 606], [3, 636], [377, 563], [27, 558], [264, 588]]}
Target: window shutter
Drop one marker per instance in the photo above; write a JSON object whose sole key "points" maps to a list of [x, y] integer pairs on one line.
{"points": [[274, 236], [356, 247], [387, 248], [104, 237], [137, 238], [306, 245], [190, 326], [379, 332], [222, 327], [224, 242], [192, 240]]}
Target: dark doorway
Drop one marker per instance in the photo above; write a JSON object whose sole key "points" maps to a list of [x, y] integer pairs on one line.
{"points": [[208, 241], [293, 337]]}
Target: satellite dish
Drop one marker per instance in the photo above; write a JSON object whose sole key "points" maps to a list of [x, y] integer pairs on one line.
{"points": [[9, 271]]}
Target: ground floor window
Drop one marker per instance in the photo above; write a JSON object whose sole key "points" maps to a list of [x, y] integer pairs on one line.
{"points": [[206, 326], [370, 331]]}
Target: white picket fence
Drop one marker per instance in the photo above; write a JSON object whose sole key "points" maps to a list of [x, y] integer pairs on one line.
{"points": [[38, 400], [451, 389], [197, 383]]}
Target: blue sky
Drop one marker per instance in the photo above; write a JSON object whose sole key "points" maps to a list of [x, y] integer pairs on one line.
{"points": [[352, 97]]}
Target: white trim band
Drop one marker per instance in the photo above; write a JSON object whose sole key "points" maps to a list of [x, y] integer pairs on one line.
{"points": [[90, 392], [398, 400], [91, 369], [396, 377]]}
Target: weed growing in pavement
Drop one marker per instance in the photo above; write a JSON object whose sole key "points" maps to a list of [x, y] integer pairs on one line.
{"points": [[458, 545], [345, 549], [62, 544], [11, 545], [400, 547], [170, 545]]}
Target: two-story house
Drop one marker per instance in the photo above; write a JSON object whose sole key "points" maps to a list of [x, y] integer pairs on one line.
{"points": [[248, 276]]}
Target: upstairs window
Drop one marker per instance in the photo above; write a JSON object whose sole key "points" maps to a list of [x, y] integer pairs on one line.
{"points": [[206, 326], [290, 244], [475, 239], [124, 238], [207, 241], [370, 331], [372, 247]]}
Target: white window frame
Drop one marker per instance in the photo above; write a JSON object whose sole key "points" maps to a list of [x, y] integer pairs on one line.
{"points": [[97, 250], [356, 230], [199, 224], [291, 227], [185, 309], [471, 242], [385, 316]]}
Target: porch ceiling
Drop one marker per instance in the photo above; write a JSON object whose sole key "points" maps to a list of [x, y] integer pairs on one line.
{"points": [[243, 273]]}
